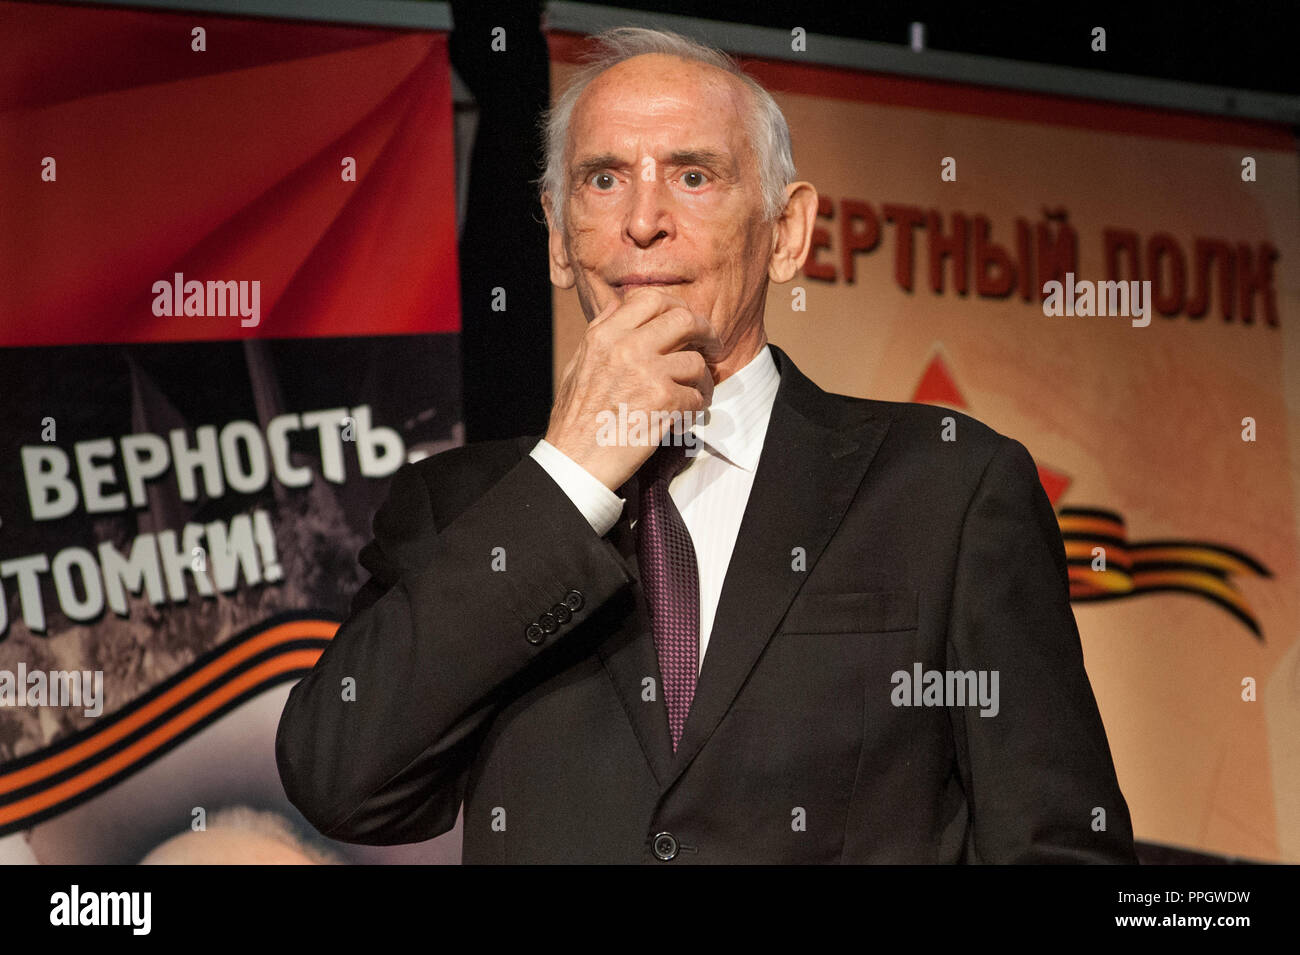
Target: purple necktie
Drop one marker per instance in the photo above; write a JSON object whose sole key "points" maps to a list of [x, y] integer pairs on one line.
{"points": [[671, 582]]}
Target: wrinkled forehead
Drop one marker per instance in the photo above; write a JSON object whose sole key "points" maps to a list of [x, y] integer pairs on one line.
{"points": [[660, 102]]}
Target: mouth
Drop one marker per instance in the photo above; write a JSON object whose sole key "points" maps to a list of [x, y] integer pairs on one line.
{"points": [[654, 279]]}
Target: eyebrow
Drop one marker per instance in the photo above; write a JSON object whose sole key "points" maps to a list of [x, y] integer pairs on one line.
{"points": [[591, 164], [680, 157]]}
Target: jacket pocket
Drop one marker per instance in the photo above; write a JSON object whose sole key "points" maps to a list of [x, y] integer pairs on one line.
{"points": [[852, 612]]}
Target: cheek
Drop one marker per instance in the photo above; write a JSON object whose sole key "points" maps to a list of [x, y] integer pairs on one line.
{"points": [[586, 244]]}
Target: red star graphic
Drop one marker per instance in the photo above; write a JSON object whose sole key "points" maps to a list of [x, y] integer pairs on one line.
{"points": [[937, 387]]}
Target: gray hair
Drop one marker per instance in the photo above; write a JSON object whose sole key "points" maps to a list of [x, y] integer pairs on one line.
{"points": [[189, 847], [765, 124]]}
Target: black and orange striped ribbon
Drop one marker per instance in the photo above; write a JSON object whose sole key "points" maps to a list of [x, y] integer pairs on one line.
{"points": [[1143, 567], [53, 780]]}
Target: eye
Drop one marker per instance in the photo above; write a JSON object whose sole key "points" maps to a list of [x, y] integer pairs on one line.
{"points": [[694, 179], [603, 181]]}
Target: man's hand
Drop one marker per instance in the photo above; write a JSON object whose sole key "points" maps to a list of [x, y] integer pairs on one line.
{"points": [[649, 352]]}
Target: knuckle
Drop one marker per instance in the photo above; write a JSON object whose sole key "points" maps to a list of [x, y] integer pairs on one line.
{"points": [[620, 353]]}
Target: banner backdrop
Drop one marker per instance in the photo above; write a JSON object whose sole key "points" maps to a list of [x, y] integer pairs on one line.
{"points": [[1165, 418], [228, 312]]}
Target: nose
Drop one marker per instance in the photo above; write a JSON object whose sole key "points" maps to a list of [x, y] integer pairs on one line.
{"points": [[650, 217]]}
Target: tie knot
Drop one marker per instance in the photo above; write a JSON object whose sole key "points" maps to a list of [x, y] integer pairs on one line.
{"points": [[666, 463]]}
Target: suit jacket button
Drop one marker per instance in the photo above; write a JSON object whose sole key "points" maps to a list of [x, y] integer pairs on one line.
{"points": [[665, 846], [548, 622], [574, 600], [562, 613], [534, 634]]}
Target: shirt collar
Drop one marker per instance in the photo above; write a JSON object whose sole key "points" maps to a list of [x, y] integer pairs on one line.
{"points": [[736, 422]]}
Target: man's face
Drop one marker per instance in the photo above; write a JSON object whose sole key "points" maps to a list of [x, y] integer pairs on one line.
{"points": [[664, 189]]}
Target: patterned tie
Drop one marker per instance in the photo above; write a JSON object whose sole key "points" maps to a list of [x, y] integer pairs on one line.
{"points": [[671, 582]]}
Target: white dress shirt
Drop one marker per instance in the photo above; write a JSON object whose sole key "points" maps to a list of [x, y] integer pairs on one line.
{"points": [[711, 492]]}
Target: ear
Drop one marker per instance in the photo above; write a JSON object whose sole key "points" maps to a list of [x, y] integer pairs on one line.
{"points": [[561, 271], [792, 232]]}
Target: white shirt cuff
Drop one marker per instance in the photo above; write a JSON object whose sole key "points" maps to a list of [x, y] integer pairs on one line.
{"points": [[598, 504]]}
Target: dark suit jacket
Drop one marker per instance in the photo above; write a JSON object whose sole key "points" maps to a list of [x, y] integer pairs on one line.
{"points": [[916, 550]]}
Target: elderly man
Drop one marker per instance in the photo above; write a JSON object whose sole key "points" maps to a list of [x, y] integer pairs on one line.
{"points": [[796, 627]]}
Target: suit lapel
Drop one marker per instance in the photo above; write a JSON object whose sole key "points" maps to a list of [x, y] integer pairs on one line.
{"points": [[815, 454]]}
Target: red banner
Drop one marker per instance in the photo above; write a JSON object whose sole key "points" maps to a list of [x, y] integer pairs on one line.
{"points": [[229, 312], [151, 160]]}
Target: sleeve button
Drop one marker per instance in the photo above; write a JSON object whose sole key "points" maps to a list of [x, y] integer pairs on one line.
{"points": [[665, 846]]}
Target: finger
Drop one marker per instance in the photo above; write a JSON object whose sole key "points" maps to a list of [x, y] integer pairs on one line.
{"points": [[604, 313], [690, 369], [681, 398], [686, 398], [669, 332], [641, 305]]}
